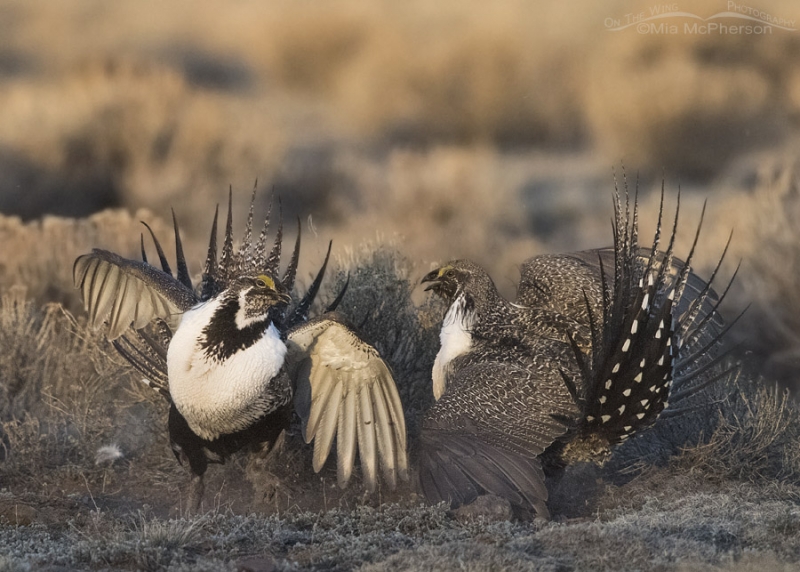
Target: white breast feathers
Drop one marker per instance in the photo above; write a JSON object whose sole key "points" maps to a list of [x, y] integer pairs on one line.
{"points": [[222, 397], [455, 339]]}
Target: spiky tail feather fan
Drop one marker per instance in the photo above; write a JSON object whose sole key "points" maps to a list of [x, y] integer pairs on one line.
{"points": [[655, 346]]}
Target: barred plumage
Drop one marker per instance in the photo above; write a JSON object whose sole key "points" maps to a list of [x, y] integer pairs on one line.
{"points": [[594, 349]]}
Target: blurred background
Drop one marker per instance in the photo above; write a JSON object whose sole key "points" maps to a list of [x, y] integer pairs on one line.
{"points": [[449, 129]]}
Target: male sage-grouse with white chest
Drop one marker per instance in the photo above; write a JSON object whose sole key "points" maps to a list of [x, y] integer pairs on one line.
{"points": [[597, 346], [235, 357]]}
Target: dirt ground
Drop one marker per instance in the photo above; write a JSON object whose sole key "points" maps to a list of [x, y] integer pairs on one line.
{"points": [[410, 134]]}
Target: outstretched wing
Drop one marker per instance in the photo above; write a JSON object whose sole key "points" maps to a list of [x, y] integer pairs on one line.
{"points": [[345, 390], [124, 292], [486, 436]]}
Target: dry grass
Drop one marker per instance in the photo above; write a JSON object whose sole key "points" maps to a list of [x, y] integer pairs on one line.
{"points": [[39, 254], [157, 105], [757, 438], [691, 102], [474, 130], [72, 396], [113, 132]]}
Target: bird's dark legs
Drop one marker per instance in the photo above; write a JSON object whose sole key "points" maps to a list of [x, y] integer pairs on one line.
{"points": [[259, 469], [197, 488]]}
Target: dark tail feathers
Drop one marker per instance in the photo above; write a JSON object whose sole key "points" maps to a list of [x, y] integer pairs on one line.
{"points": [[646, 352]]}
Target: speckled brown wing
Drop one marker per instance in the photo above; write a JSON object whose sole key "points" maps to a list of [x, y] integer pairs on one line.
{"points": [[694, 290], [125, 292], [485, 433], [557, 282], [344, 389]]}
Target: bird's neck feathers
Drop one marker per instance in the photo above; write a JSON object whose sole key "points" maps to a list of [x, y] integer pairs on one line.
{"points": [[473, 309], [455, 338], [232, 327], [486, 307]]}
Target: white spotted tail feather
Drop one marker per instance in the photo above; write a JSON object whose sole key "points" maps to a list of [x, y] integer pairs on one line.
{"points": [[345, 390], [636, 347]]}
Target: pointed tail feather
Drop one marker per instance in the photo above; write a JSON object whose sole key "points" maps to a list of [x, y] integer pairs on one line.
{"points": [[340, 296], [161, 256], [300, 313], [261, 246], [634, 366], [274, 258], [226, 261], [183, 270], [209, 281], [291, 270], [244, 257]]}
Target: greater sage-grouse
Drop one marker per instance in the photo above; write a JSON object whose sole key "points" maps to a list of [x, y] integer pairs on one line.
{"points": [[237, 355], [593, 349]]}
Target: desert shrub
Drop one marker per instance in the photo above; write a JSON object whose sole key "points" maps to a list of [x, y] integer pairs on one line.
{"points": [[121, 131], [63, 393], [773, 271], [689, 102], [757, 438], [39, 254], [48, 356]]}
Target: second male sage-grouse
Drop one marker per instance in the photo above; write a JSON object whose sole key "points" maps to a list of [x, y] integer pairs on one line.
{"points": [[237, 356], [597, 345]]}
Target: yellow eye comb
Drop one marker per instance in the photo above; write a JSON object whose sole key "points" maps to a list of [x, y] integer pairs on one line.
{"points": [[268, 282]]}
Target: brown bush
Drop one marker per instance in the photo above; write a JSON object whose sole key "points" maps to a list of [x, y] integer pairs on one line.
{"points": [[112, 132], [689, 102]]}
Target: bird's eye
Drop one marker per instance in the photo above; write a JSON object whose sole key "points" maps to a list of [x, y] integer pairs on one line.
{"points": [[450, 274], [263, 282]]}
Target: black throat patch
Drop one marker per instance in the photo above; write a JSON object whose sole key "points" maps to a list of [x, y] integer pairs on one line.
{"points": [[221, 338]]}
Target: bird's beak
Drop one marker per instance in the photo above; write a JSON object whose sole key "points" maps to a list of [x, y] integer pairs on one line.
{"points": [[285, 297], [434, 278]]}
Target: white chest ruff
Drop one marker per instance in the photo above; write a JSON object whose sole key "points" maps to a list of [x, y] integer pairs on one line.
{"points": [[220, 397], [455, 339]]}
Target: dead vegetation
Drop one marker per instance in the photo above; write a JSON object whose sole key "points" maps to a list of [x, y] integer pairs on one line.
{"points": [[434, 131], [729, 498], [138, 114]]}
